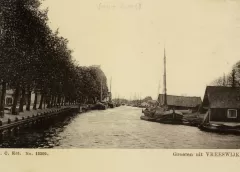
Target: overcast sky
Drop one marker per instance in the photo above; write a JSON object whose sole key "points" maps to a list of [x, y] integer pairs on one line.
{"points": [[202, 39]]}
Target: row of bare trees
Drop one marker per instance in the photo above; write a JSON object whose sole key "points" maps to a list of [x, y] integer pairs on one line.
{"points": [[232, 79], [35, 59]]}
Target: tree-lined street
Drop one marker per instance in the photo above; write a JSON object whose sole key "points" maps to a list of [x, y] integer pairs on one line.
{"points": [[36, 59]]}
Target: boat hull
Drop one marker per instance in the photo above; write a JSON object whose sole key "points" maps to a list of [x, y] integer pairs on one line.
{"points": [[168, 118], [99, 106], [147, 118], [111, 105], [171, 119], [219, 129]]}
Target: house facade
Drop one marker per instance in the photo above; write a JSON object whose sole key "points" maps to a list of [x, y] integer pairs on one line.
{"points": [[10, 97], [222, 103], [181, 102]]}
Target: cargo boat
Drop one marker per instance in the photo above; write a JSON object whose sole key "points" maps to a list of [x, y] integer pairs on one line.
{"points": [[166, 117]]}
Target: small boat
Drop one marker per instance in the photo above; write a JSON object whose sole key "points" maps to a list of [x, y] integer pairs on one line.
{"points": [[99, 106], [210, 126], [111, 104], [86, 107]]}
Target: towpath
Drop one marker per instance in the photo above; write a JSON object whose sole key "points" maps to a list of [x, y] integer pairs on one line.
{"points": [[30, 113]]}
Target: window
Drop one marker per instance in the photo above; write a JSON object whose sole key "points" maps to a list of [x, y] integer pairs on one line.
{"points": [[232, 113], [8, 101]]}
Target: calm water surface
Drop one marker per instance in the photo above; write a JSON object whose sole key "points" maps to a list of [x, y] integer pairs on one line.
{"points": [[120, 127]]}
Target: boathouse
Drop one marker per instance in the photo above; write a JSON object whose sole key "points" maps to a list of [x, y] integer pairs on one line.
{"points": [[181, 102], [222, 103]]}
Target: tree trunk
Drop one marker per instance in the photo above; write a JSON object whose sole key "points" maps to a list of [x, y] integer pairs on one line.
{"points": [[62, 101], [28, 100], [56, 101], [49, 101], [22, 100], [52, 101], [85, 100], [15, 101], [44, 102], [35, 101], [59, 100], [41, 101], [2, 101]]}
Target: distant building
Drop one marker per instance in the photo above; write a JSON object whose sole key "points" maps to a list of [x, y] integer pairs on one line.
{"points": [[152, 102], [181, 102], [222, 103], [108, 97]]}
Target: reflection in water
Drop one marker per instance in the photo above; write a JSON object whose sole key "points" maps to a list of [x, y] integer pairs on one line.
{"points": [[119, 128]]}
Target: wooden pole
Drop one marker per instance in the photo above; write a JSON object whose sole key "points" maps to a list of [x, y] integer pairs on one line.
{"points": [[165, 80]]}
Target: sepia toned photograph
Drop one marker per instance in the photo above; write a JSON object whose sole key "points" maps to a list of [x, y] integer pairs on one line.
{"points": [[122, 74]]}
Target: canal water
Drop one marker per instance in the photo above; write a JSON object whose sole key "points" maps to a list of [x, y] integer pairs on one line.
{"points": [[120, 127]]}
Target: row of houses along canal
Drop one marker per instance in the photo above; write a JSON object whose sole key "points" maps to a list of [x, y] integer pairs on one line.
{"points": [[118, 127]]}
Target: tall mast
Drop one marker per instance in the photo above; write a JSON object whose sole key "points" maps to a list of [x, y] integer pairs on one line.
{"points": [[165, 80], [111, 89], [158, 89], [140, 98]]}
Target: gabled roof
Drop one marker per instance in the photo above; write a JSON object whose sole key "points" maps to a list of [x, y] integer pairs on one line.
{"points": [[182, 101], [222, 97]]}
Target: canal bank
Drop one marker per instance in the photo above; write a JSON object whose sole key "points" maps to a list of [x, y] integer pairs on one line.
{"points": [[12, 124]]}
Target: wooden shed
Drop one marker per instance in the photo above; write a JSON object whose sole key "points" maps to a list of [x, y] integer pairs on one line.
{"points": [[181, 102], [222, 103]]}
